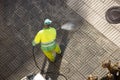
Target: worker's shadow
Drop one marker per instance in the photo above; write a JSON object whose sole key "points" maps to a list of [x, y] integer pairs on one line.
{"points": [[53, 68]]}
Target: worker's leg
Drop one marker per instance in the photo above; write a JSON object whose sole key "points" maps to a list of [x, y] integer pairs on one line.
{"points": [[57, 49], [49, 55]]}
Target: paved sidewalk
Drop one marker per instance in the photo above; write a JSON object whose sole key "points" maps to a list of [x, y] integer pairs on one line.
{"points": [[94, 12], [84, 48]]}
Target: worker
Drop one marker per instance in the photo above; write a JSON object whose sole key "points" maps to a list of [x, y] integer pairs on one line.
{"points": [[46, 37]]}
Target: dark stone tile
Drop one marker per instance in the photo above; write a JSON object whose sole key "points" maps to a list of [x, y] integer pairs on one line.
{"points": [[20, 11]]}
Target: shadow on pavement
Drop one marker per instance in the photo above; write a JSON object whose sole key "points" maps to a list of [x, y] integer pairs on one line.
{"points": [[53, 68]]}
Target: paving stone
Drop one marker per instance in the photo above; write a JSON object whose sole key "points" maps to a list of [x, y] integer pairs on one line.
{"points": [[100, 71], [6, 71], [84, 11], [94, 62], [64, 68], [2, 49], [71, 72], [95, 49], [117, 26], [103, 57], [5, 58], [95, 5], [30, 66], [77, 63], [15, 63], [86, 69], [77, 76], [34, 12], [23, 72], [91, 32], [86, 56], [20, 11], [61, 78], [83, 38], [113, 60], [72, 43], [116, 54], [107, 45], [76, 4], [23, 3], [3, 35], [70, 55], [80, 49]]}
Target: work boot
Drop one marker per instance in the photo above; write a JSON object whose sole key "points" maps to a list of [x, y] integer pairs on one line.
{"points": [[113, 15]]}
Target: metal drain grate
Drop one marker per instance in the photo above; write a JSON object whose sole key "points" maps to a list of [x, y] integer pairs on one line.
{"points": [[113, 15]]}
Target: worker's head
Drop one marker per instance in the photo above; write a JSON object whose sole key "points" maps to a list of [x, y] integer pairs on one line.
{"points": [[47, 23]]}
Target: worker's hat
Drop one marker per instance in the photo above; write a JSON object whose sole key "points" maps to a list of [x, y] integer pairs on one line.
{"points": [[47, 22]]}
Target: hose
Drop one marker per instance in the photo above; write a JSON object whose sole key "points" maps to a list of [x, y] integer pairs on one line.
{"points": [[42, 70], [35, 59]]}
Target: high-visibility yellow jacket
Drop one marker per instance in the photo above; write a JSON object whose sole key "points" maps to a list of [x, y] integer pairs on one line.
{"points": [[46, 37]]}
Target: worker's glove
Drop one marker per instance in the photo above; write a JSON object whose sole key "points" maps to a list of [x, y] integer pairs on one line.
{"points": [[33, 43]]}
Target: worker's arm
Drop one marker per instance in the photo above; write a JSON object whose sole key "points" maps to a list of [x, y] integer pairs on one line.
{"points": [[36, 39]]}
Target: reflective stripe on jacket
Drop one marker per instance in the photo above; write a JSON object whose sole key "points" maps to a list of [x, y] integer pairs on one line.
{"points": [[49, 46]]}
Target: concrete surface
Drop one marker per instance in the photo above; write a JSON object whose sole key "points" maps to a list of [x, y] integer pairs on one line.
{"points": [[94, 12], [84, 49]]}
